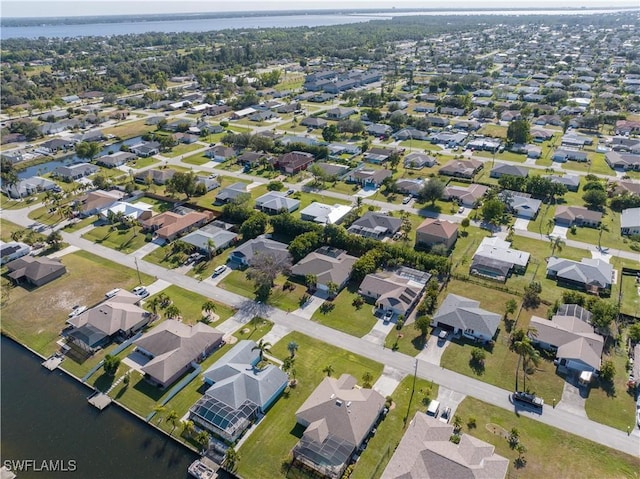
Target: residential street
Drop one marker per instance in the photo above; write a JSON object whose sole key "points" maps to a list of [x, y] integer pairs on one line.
{"points": [[451, 380]]}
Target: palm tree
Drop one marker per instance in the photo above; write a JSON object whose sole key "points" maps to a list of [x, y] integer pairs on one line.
{"points": [[172, 417], [557, 243], [154, 304], [209, 307], [311, 280], [17, 235], [203, 439], [231, 459], [367, 377], [602, 228], [329, 370], [293, 348], [159, 410], [550, 224], [172, 311], [263, 347], [288, 364], [528, 355], [165, 300], [211, 248], [188, 428], [332, 289]]}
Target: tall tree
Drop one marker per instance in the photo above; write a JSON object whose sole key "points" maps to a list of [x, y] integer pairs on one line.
{"points": [[329, 369], [432, 191], [263, 270], [292, 347], [87, 150], [111, 364], [422, 324], [519, 131], [263, 347]]}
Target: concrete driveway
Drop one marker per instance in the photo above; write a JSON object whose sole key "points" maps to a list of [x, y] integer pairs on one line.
{"points": [[573, 398], [435, 348], [379, 332], [560, 231], [521, 224], [388, 381]]}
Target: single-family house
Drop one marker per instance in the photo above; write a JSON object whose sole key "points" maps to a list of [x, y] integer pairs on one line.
{"points": [[340, 113], [172, 347], [314, 123], [427, 452], [328, 265], [211, 239], [379, 129], [28, 187], [134, 211], [577, 346], [622, 161], [252, 158], [464, 316], [294, 162], [562, 156], [484, 144], [571, 182], [333, 170], [113, 160], [274, 202], [417, 161], [325, 214], [630, 222], [118, 316], [338, 417], [13, 250], [35, 271], [377, 156], [468, 196], [593, 275], [410, 134], [145, 149], [461, 169], [375, 225], [220, 153], [56, 145], [154, 175], [409, 186], [231, 192], [75, 172], [244, 253], [432, 232], [168, 225], [394, 292], [95, 201], [369, 178], [495, 259], [577, 215], [622, 187], [239, 392], [511, 170], [521, 204]]}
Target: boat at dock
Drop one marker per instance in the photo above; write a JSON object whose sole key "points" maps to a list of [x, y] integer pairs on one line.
{"points": [[203, 468]]}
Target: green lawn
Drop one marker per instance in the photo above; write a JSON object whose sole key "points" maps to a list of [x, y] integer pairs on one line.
{"points": [[550, 452], [182, 149], [237, 282], [380, 449], [143, 162], [307, 198], [69, 228], [263, 453], [190, 304], [500, 364], [505, 155], [126, 240], [205, 269], [129, 129], [7, 228], [36, 317], [42, 215], [345, 317], [198, 159], [407, 340], [496, 131], [613, 406]]}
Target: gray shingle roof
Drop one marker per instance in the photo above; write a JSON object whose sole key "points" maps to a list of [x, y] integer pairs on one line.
{"points": [[463, 313]]}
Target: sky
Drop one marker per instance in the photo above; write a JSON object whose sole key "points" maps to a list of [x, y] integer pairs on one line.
{"points": [[56, 8]]}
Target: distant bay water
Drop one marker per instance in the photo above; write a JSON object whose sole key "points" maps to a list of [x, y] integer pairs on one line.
{"points": [[314, 19]]}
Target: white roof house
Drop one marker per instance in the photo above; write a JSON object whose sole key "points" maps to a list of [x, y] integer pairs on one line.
{"points": [[494, 247], [325, 214], [630, 221], [130, 210]]}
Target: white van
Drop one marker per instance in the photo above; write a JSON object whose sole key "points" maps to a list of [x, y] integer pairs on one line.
{"points": [[433, 409]]}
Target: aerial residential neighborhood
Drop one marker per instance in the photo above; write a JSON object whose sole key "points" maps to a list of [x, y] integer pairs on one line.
{"points": [[413, 256]]}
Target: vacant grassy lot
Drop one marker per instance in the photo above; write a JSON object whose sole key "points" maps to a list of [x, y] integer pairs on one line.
{"points": [[78, 225], [182, 149], [143, 162], [190, 304], [7, 228], [270, 444], [346, 317], [36, 317], [496, 131], [198, 159], [380, 449], [550, 452], [45, 216], [126, 240], [307, 198], [129, 129], [287, 300]]}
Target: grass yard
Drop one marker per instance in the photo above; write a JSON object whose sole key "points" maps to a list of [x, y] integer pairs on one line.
{"points": [[198, 160], [613, 405], [407, 341], [345, 317], [382, 446], [270, 444], [162, 256], [237, 282], [143, 162], [36, 317], [550, 452], [500, 364], [496, 131], [182, 149], [7, 228], [288, 300], [190, 305], [307, 198], [596, 165], [126, 240], [128, 129], [204, 269], [505, 155], [44, 216]]}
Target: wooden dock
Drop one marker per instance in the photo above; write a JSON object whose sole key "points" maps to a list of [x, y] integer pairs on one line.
{"points": [[53, 362], [99, 400]]}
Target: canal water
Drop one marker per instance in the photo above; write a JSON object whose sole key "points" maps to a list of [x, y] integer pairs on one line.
{"points": [[49, 166], [45, 417]]}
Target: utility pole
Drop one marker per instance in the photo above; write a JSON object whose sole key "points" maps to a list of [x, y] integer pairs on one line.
{"points": [[135, 259], [413, 390]]}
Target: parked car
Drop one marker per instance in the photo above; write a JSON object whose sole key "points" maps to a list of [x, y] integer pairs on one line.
{"points": [[388, 316], [112, 293], [528, 398], [290, 192], [141, 291], [461, 210], [406, 200], [445, 416], [219, 270], [77, 310]]}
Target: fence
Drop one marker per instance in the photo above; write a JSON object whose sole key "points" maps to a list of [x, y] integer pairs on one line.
{"points": [[117, 350], [176, 389]]}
